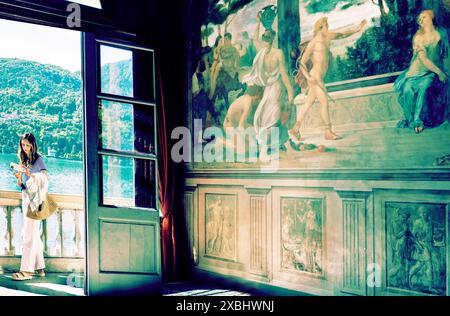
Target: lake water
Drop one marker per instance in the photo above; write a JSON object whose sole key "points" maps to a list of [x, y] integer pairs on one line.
{"points": [[66, 176]]}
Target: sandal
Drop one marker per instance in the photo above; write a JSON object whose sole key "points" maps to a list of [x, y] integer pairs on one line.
{"points": [[21, 276], [40, 273], [418, 128], [329, 135]]}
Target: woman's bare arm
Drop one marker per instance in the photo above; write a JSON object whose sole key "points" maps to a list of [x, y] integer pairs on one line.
{"points": [[31, 175], [256, 42], [18, 176], [431, 66]]}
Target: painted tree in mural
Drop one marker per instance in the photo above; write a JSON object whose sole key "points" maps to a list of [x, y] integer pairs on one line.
{"points": [[326, 6], [289, 30], [386, 47], [210, 13], [218, 12], [381, 49]]}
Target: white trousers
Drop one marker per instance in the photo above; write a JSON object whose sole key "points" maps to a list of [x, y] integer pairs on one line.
{"points": [[32, 247]]}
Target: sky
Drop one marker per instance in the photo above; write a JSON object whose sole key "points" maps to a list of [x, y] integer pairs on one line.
{"points": [[48, 45], [91, 3], [338, 19]]}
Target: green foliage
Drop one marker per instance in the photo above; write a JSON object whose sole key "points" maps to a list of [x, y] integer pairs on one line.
{"points": [[325, 6], [219, 10], [379, 50], [117, 78], [47, 101], [43, 99]]}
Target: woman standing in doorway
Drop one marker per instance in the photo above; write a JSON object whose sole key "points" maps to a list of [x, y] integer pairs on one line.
{"points": [[32, 248]]}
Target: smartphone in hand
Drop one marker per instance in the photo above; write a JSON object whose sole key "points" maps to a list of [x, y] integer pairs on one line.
{"points": [[17, 167]]}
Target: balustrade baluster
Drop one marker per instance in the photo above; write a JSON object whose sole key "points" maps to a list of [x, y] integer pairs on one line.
{"points": [[60, 235], [69, 233], [4, 240], [16, 231], [9, 231], [52, 235], [79, 225], [44, 237]]}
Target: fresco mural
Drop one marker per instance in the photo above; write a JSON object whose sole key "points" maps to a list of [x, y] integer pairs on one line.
{"points": [[301, 235], [220, 221], [416, 253], [322, 84]]}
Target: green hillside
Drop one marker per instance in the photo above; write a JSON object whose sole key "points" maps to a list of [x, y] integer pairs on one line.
{"points": [[43, 99], [47, 101]]}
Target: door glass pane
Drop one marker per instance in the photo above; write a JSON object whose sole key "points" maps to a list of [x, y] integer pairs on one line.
{"points": [[144, 79], [127, 127], [116, 125], [116, 73], [128, 182]]}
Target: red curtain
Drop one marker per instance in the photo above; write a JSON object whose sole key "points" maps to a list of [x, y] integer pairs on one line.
{"points": [[166, 182]]}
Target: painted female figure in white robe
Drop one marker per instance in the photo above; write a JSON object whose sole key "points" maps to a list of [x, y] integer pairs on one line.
{"points": [[268, 68]]}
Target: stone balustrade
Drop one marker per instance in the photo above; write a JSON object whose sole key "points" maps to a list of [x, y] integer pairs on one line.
{"points": [[62, 233]]}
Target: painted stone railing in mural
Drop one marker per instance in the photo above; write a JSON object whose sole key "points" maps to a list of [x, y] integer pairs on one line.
{"points": [[357, 104], [62, 233]]}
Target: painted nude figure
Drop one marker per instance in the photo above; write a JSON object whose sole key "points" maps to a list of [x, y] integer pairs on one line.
{"points": [[239, 111], [318, 53]]}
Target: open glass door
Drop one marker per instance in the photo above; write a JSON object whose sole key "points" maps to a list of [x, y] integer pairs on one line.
{"points": [[123, 227]]}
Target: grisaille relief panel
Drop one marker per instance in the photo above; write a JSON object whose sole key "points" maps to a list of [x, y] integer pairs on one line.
{"points": [[220, 223], [416, 247], [301, 234]]}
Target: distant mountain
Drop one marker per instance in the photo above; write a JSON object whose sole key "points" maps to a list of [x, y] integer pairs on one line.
{"points": [[117, 78], [47, 101]]}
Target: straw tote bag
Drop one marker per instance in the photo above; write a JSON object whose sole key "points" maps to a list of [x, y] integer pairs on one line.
{"points": [[45, 210]]}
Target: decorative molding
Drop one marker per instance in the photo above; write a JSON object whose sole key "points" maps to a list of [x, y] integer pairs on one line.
{"points": [[190, 187], [258, 234], [354, 239], [419, 174], [354, 246], [255, 190], [191, 226], [353, 194]]}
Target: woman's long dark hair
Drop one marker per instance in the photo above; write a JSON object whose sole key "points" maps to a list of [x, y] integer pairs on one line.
{"points": [[23, 158]]}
